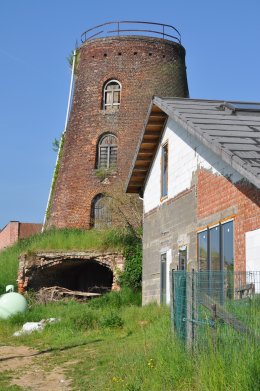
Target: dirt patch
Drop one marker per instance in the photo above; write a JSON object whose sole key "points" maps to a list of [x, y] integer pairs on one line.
{"points": [[28, 371], [38, 380], [15, 357]]}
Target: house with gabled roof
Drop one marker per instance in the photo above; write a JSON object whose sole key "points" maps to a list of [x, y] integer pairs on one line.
{"points": [[197, 168]]}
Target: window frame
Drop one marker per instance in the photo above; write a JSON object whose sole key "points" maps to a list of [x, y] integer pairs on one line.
{"points": [[207, 230], [96, 221], [163, 277], [108, 151], [183, 252], [164, 172], [114, 105]]}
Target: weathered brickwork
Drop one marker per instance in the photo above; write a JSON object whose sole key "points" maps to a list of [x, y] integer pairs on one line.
{"points": [[16, 230], [145, 67], [218, 198], [68, 269]]}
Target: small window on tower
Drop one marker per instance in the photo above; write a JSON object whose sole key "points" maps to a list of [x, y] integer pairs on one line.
{"points": [[112, 95], [107, 151]]}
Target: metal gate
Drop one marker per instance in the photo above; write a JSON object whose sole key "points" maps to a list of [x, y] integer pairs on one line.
{"points": [[215, 304]]}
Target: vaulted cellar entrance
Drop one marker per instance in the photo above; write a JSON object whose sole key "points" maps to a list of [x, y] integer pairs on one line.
{"points": [[82, 273]]}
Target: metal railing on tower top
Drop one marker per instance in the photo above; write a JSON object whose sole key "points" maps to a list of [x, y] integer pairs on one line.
{"points": [[129, 27]]}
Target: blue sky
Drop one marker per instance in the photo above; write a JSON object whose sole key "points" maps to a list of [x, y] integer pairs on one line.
{"points": [[223, 62]]}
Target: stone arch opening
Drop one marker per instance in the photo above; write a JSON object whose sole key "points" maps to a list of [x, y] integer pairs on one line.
{"points": [[86, 273], [75, 275]]}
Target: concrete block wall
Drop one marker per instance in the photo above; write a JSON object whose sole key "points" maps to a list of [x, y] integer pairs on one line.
{"points": [[166, 229], [202, 190]]}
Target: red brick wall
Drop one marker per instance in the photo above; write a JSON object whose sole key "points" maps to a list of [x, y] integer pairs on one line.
{"points": [[15, 230], [9, 234], [216, 194], [145, 67], [29, 229]]}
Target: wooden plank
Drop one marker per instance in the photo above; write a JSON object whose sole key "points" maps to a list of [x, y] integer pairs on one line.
{"points": [[154, 127], [133, 190], [154, 133], [136, 183], [227, 317], [146, 152], [156, 121], [148, 144], [159, 114], [155, 108], [136, 175], [142, 163]]}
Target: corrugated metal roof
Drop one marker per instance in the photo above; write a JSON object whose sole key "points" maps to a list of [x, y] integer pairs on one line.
{"points": [[234, 135]]}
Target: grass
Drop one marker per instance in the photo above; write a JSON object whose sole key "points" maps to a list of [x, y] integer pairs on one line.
{"points": [[63, 240], [111, 343]]}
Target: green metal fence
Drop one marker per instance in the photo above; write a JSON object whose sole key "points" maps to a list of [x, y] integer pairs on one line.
{"points": [[214, 307]]}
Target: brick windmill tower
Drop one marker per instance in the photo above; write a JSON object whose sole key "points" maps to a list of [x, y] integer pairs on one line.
{"points": [[117, 69]]}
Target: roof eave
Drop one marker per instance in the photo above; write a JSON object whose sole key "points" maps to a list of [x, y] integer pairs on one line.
{"points": [[146, 149]]}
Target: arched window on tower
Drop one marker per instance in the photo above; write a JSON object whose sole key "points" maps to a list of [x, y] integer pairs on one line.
{"points": [[107, 151], [101, 211], [112, 95]]}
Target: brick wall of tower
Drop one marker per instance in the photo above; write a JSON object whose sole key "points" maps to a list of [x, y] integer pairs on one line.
{"points": [[145, 67]]}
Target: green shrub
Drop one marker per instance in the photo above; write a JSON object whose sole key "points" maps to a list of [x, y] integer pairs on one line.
{"points": [[111, 320], [87, 319], [132, 275], [125, 297]]}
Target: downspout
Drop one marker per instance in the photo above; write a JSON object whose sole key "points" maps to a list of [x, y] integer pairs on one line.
{"points": [[63, 134]]}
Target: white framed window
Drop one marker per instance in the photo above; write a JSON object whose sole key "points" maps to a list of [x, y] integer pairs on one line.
{"points": [[112, 95]]}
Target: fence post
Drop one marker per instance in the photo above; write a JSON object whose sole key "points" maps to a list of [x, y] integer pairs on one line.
{"points": [[194, 307], [189, 305], [172, 297], [213, 327]]}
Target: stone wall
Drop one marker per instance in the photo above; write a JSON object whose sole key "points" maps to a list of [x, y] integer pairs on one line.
{"points": [[40, 269]]}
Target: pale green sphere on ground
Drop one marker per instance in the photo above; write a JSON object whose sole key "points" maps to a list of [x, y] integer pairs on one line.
{"points": [[12, 303]]}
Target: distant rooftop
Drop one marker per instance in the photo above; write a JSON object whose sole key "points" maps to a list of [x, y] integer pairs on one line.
{"points": [[128, 27]]}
